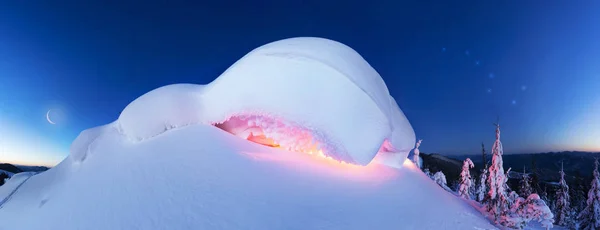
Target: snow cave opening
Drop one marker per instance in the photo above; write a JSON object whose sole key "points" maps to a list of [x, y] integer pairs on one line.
{"points": [[273, 132]]}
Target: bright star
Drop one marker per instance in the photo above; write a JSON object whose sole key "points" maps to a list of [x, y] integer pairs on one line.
{"points": [[492, 75], [513, 102], [523, 87], [489, 90], [476, 62]]}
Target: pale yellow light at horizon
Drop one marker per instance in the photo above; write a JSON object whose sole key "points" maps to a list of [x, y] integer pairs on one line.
{"points": [[583, 131], [18, 146]]}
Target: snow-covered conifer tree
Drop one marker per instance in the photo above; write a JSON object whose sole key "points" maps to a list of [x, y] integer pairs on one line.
{"points": [[440, 179], [482, 189], [525, 210], [525, 187], [482, 186], [416, 158], [497, 204], [563, 205], [465, 180], [590, 216]]}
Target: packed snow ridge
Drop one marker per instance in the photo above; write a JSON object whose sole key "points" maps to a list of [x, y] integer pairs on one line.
{"points": [[303, 94]]}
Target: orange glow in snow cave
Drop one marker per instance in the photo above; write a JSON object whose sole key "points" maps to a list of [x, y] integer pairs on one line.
{"points": [[278, 134]]}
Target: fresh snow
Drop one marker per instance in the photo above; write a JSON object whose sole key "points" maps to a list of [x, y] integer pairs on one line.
{"points": [[200, 177], [12, 186], [170, 160], [319, 86]]}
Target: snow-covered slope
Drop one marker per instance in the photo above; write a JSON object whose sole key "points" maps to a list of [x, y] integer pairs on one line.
{"points": [[200, 177], [218, 156]]}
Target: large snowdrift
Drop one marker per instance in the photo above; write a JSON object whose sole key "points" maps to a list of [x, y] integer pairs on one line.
{"points": [[314, 88], [200, 177], [170, 161]]}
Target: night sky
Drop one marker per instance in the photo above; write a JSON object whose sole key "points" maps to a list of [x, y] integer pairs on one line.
{"points": [[454, 68]]}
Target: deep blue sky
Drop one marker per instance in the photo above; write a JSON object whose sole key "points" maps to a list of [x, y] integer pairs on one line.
{"points": [[439, 60]]}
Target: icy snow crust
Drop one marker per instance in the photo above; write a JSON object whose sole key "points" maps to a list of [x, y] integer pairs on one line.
{"points": [[313, 84], [199, 177]]}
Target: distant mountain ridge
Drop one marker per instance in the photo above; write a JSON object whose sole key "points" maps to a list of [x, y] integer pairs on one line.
{"points": [[27, 168], [10, 168], [21, 168]]}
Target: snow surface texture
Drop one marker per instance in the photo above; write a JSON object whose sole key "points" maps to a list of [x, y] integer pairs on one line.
{"points": [[200, 177], [11, 186], [315, 85]]}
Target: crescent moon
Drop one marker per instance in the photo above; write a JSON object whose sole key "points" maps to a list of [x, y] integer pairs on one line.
{"points": [[48, 118]]}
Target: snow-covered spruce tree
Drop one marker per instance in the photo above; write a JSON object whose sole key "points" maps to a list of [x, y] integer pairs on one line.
{"points": [[589, 218], [563, 205], [416, 158], [440, 179], [525, 210], [465, 180], [525, 187], [473, 187], [497, 200], [482, 189]]}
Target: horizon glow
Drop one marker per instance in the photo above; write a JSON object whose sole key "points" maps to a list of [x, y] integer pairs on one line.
{"points": [[18, 146]]}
